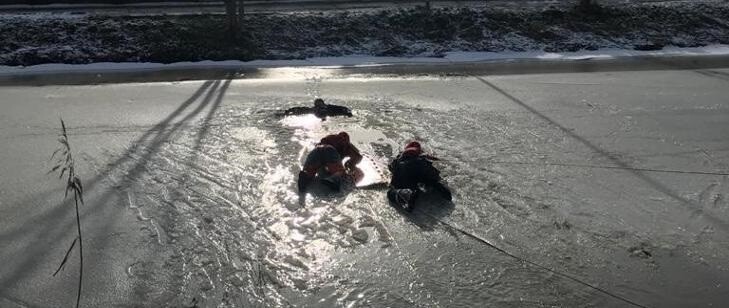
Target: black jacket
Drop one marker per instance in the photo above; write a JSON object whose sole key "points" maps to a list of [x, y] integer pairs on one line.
{"points": [[327, 111], [408, 171]]}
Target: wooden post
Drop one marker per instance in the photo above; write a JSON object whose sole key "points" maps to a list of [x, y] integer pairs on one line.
{"points": [[231, 16], [241, 12]]}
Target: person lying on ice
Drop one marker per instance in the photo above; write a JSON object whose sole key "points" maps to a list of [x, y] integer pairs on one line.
{"points": [[326, 161], [412, 170], [320, 110]]}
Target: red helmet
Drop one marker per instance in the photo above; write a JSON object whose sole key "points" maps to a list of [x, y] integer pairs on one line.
{"points": [[413, 144], [412, 149]]}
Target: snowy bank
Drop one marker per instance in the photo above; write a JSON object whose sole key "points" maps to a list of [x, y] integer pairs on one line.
{"points": [[361, 61], [314, 38]]}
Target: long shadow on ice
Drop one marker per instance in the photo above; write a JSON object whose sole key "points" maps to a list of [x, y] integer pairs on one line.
{"points": [[51, 225], [205, 126], [428, 210], [157, 133], [689, 205]]}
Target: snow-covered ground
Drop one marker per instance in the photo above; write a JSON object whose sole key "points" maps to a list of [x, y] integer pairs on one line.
{"points": [[363, 61], [414, 33]]}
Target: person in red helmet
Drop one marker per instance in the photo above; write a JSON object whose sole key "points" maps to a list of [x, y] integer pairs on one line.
{"points": [[412, 171], [326, 160]]}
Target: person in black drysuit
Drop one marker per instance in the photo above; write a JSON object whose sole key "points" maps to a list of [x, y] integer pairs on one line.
{"points": [[320, 110], [412, 170]]}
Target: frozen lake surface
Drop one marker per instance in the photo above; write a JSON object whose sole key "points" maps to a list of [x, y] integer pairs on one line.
{"points": [[616, 178]]}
